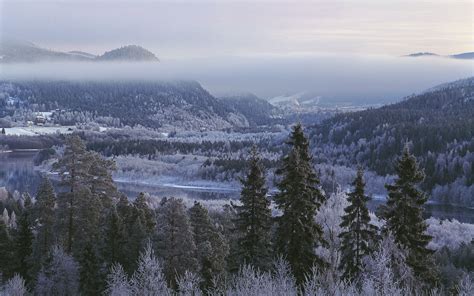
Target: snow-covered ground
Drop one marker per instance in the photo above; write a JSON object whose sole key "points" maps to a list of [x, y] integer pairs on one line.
{"points": [[38, 130], [35, 130]]}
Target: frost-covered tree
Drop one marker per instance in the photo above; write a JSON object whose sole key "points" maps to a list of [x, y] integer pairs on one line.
{"points": [[254, 218], [188, 285], [15, 287], [117, 282], [176, 237], [299, 200], [403, 214], [59, 275], [359, 236], [211, 246], [148, 279], [385, 271]]}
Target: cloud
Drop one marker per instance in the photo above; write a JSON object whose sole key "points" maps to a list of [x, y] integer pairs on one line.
{"points": [[356, 78]]}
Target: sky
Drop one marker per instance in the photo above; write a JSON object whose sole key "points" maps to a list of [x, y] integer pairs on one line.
{"points": [[184, 29], [335, 49]]}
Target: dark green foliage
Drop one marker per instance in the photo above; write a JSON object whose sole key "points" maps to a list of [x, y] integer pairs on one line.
{"points": [[359, 236], [91, 280], [24, 241], [299, 199], [211, 246], [254, 218], [403, 215], [7, 252], [114, 234], [176, 240]]}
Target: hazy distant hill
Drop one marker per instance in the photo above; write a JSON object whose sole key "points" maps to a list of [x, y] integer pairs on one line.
{"points": [[27, 52], [13, 51], [256, 110], [438, 123], [462, 56], [128, 53]]}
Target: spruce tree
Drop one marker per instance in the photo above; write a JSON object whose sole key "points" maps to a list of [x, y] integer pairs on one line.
{"points": [[24, 241], [176, 240], [254, 218], [403, 214], [114, 236], [358, 237], [299, 199], [7, 253], [44, 214], [211, 246], [90, 278]]}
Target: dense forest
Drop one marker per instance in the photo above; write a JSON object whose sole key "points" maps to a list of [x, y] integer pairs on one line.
{"points": [[87, 238], [438, 124]]}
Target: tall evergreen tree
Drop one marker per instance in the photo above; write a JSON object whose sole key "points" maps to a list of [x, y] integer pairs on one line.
{"points": [[74, 169], [299, 199], [7, 254], [24, 240], [403, 214], [91, 280], [254, 218], [176, 238], [358, 237], [114, 235], [211, 246], [44, 216]]}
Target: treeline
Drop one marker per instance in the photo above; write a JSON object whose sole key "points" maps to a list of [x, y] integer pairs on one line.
{"points": [[90, 239], [439, 125]]}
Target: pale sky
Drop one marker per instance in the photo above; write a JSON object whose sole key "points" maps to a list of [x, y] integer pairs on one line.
{"points": [[175, 29]]}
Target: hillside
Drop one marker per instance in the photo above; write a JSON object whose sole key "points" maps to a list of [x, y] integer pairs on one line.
{"points": [[256, 110], [166, 105], [14, 51], [128, 53], [438, 124]]}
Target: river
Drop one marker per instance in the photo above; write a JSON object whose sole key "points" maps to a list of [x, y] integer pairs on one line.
{"points": [[17, 173]]}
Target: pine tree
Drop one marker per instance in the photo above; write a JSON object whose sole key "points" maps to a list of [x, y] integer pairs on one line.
{"points": [[177, 243], [74, 169], [358, 237], [44, 217], [114, 234], [403, 214], [24, 240], [7, 254], [254, 218], [91, 281], [299, 199], [211, 246], [142, 209]]}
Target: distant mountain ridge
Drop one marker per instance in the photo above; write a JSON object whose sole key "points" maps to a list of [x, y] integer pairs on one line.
{"points": [[460, 56], [438, 124], [14, 51]]}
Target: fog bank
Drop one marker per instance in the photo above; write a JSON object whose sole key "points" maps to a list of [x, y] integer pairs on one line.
{"points": [[354, 78]]}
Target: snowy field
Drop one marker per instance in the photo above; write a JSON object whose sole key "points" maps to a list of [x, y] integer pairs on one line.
{"points": [[35, 130], [38, 130]]}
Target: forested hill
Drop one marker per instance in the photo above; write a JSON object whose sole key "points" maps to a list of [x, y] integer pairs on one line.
{"points": [[177, 105], [440, 125]]}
